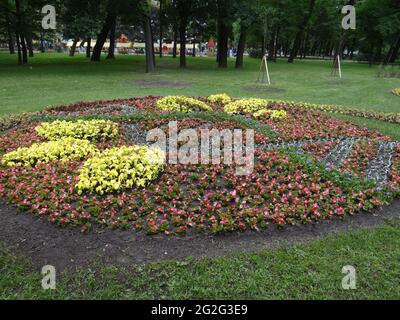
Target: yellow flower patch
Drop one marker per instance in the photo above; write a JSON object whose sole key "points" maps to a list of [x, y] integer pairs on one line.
{"points": [[63, 150], [120, 168], [221, 99], [246, 105], [396, 91], [273, 114], [80, 129], [182, 104]]}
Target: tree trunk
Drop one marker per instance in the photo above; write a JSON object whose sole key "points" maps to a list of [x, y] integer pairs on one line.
{"points": [[102, 37], [299, 35], [20, 37], [241, 47], [10, 37], [182, 38], [194, 48], [73, 47], [152, 45], [272, 46], [175, 41], [149, 46], [41, 43], [30, 46], [18, 48], [223, 35], [24, 50], [111, 48], [160, 53], [88, 47]]}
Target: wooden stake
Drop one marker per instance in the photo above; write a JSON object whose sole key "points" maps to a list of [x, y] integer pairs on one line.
{"points": [[340, 68], [263, 70]]}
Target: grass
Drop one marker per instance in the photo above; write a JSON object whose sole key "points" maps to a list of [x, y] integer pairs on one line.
{"points": [[54, 79], [307, 271]]}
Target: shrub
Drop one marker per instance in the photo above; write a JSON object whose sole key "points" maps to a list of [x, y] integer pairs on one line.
{"points": [[62, 150], [182, 104], [120, 168], [396, 91], [221, 99], [81, 129], [246, 105], [273, 114]]}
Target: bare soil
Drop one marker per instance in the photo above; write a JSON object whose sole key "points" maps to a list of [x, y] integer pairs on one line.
{"points": [[69, 248]]}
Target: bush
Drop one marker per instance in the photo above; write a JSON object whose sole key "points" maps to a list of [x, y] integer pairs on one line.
{"points": [[182, 104], [221, 99], [120, 168], [246, 105], [63, 150], [81, 129]]}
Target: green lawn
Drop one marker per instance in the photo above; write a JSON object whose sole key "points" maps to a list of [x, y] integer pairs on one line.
{"points": [[54, 79], [308, 271]]}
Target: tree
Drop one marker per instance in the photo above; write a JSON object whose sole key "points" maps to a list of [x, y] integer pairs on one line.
{"points": [[223, 29], [102, 36], [81, 20], [303, 23]]}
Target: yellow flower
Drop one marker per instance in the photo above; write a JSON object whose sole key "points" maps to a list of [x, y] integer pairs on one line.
{"points": [[246, 105], [120, 168], [62, 150], [221, 99], [182, 104], [81, 129]]}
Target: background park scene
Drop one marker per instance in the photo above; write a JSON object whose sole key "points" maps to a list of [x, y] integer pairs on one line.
{"points": [[83, 82]]}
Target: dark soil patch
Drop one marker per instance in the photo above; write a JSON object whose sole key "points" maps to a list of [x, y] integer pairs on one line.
{"points": [[163, 83], [263, 89], [69, 248]]}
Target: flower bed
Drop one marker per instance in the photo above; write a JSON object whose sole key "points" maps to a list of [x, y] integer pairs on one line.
{"points": [[363, 152], [110, 181]]}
